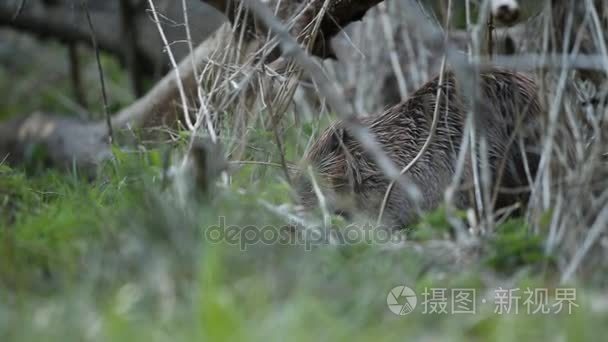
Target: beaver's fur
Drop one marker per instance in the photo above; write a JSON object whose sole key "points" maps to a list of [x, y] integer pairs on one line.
{"points": [[352, 183]]}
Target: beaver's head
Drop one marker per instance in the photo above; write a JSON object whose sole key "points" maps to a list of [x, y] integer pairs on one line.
{"points": [[335, 172]]}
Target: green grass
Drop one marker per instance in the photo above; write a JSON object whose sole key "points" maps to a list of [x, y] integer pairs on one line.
{"points": [[119, 258]]}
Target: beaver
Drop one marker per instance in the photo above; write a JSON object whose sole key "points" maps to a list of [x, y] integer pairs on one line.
{"points": [[507, 114]]}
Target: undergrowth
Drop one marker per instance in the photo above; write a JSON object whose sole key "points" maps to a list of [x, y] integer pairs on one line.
{"points": [[122, 258]]}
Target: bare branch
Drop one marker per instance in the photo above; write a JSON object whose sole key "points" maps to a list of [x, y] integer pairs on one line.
{"points": [[99, 69], [291, 49], [19, 9], [338, 14]]}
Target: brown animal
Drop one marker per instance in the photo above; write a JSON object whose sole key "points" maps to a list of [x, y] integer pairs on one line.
{"points": [[507, 110]]}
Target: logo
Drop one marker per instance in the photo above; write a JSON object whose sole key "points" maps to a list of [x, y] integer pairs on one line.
{"points": [[401, 300]]}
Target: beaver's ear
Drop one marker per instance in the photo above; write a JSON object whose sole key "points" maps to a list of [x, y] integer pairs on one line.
{"points": [[339, 136]]}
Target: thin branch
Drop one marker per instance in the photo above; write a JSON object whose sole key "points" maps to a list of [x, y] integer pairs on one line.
{"points": [[429, 139], [330, 16], [424, 148], [532, 61], [19, 9], [599, 226], [263, 163], [100, 70], [291, 48], [180, 86], [151, 108], [387, 27]]}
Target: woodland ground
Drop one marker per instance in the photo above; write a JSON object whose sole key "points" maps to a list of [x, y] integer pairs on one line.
{"points": [[123, 257]]}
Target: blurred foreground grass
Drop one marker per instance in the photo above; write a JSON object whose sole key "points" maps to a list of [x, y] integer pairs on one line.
{"points": [[119, 258]]}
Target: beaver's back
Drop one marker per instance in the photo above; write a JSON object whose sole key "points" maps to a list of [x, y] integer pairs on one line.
{"points": [[507, 104]]}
